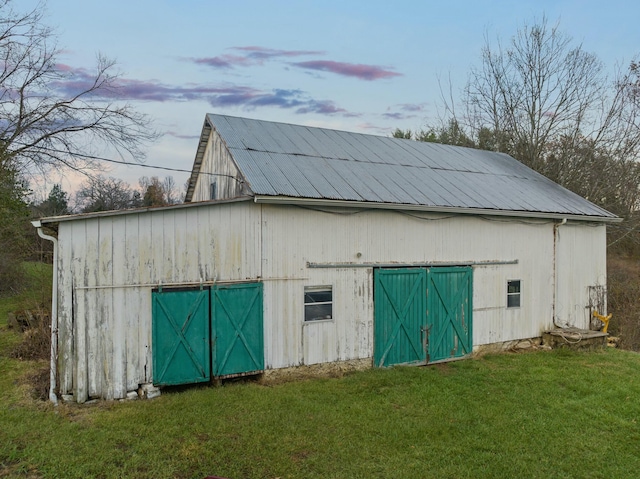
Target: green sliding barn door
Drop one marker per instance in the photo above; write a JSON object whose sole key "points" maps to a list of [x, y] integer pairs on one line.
{"points": [[400, 306], [422, 315], [449, 313], [180, 324], [237, 325], [207, 332]]}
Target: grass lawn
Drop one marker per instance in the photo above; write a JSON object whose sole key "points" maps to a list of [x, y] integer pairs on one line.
{"points": [[541, 414]]}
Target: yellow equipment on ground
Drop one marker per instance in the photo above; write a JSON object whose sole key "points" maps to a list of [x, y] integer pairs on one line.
{"points": [[604, 319]]}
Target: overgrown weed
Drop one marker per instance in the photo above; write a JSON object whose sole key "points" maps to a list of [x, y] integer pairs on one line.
{"points": [[623, 295]]}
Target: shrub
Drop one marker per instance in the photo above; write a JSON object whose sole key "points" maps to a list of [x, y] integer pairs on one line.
{"points": [[623, 285], [36, 341]]}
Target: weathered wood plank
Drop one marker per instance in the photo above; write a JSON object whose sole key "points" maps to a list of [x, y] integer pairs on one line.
{"points": [[65, 310], [104, 308], [131, 302], [119, 311]]}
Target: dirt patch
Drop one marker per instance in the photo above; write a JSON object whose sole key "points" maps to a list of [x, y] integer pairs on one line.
{"points": [[37, 383], [16, 469], [442, 368], [300, 456], [330, 370]]}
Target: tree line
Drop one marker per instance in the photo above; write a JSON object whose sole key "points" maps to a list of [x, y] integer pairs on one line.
{"points": [[544, 100], [100, 193], [52, 118]]}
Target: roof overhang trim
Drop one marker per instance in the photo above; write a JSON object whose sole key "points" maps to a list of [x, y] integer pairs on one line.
{"points": [[135, 211], [197, 162], [288, 200]]}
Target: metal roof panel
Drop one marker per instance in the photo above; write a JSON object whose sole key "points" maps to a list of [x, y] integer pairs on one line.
{"points": [[281, 159]]}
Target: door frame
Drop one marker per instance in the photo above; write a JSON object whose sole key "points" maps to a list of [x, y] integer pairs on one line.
{"points": [[205, 359], [430, 293]]}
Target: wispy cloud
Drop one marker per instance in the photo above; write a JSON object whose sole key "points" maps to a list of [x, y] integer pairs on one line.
{"points": [[381, 130], [227, 95], [297, 100], [412, 106], [181, 136], [263, 53], [356, 70], [396, 116], [249, 56], [223, 61], [404, 111]]}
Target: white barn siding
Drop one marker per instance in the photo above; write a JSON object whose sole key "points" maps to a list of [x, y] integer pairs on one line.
{"points": [[217, 160], [581, 264], [109, 265], [297, 236]]}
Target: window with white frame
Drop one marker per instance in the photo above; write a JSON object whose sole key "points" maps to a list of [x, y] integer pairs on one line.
{"points": [[513, 293], [318, 303]]}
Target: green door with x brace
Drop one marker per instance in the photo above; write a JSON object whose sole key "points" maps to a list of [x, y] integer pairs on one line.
{"points": [[180, 329], [449, 294], [422, 315], [207, 332], [399, 324], [238, 332]]}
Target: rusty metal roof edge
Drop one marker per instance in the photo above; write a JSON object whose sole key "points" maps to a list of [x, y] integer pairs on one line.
{"points": [[133, 211], [288, 200]]}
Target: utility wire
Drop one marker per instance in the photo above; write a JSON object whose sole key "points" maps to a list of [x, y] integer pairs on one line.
{"points": [[142, 165]]}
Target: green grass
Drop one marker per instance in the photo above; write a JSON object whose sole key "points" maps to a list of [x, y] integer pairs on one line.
{"points": [[36, 295], [542, 414]]}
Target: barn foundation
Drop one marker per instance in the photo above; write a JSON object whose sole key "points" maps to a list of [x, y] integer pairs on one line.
{"points": [[574, 338]]}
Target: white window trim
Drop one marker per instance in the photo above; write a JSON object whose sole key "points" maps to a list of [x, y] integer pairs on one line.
{"points": [[518, 294], [318, 288]]}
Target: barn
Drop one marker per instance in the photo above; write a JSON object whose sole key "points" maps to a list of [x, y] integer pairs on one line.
{"points": [[301, 246]]}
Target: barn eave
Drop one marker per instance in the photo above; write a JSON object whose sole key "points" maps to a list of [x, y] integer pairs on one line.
{"points": [[320, 202]]}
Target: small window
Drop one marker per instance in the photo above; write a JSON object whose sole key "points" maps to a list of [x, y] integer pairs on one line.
{"points": [[513, 293], [318, 303], [213, 191]]}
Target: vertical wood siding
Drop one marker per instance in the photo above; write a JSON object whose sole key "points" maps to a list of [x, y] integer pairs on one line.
{"points": [[294, 236], [105, 326], [106, 266], [580, 263], [217, 160]]}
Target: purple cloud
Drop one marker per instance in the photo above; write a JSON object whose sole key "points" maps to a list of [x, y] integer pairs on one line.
{"points": [[324, 107], [375, 128], [357, 70], [79, 80], [396, 116], [251, 99], [223, 61], [263, 53], [412, 106], [407, 110], [252, 55]]}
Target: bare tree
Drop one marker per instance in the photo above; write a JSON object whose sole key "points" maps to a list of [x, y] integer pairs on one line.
{"points": [[47, 120], [547, 102], [536, 89], [172, 195], [105, 194]]}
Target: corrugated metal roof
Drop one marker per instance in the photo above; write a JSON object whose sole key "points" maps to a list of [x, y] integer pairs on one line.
{"points": [[279, 159]]}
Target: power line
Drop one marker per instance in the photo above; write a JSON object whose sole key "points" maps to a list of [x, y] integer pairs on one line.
{"points": [[142, 165]]}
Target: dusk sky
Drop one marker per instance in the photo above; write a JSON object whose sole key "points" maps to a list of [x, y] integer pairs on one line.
{"points": [[364, 66]]}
